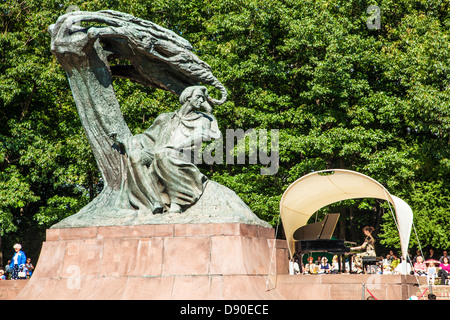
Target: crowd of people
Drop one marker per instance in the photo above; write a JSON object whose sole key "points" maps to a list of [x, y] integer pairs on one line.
{"points": [[315, 265], [19, 267], [435, 268]]}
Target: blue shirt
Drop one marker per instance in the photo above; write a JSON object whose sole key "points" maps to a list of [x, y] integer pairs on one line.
{"points": [[21, 259]]}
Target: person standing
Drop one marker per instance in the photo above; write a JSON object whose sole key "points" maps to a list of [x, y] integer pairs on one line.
{"points": [[432, 255], [17, 262], [418, 253], [444, 255]]}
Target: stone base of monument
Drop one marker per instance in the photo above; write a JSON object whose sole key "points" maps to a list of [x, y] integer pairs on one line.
{"points": [[9, 289], [188, 262], [169, 261]]}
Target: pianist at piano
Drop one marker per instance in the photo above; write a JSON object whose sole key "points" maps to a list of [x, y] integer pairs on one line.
{"points": [[368, 246], [319, 189]]}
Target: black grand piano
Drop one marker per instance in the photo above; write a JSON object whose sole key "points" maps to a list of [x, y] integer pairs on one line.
{"points": [[316, 237]]}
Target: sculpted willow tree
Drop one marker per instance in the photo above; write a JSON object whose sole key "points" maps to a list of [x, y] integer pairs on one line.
{"points": [[149, 173]]}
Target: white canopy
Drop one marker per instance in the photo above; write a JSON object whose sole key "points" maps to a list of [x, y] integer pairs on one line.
{"points": [[319, 189]]}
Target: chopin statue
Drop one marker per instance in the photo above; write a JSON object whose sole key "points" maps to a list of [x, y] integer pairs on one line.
{"points": [[159, 168], [149, 177]]}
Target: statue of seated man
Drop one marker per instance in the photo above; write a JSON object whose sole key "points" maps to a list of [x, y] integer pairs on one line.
{"points": [[160, 171]]}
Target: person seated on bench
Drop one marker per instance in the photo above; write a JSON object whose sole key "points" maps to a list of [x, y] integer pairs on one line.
{"points": [[444, 270], [420, 268], [368, 246], [431, 273], [324, 266]]}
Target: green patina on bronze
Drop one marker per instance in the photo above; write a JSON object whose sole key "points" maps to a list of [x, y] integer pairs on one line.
{"points": [[148, 178]]}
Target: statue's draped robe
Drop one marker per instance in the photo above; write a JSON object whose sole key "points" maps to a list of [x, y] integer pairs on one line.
{"points": [[159, 170]]}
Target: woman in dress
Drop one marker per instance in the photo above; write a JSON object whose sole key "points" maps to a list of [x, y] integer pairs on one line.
{"points": [[17, 262], [368, 246]]}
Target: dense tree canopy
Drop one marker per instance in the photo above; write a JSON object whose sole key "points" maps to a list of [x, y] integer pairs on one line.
{"points": [[342, 95]]}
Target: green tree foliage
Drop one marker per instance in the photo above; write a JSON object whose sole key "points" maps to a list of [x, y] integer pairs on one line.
{"points": [[342, 96]]}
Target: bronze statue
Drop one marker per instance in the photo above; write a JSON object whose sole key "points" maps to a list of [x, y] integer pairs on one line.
{"points": [[153, 172], [159, 169]]}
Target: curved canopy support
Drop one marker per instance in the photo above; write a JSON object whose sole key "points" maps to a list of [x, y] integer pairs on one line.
{"points": [[404, 223], [319, 189]]}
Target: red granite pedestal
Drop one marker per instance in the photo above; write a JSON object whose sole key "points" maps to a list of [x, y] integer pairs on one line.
{"points": [[172, 261], [9, 289], [187, 261]]}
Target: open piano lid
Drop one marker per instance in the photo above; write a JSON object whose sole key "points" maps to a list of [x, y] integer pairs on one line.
{"points": [[320, 230]]}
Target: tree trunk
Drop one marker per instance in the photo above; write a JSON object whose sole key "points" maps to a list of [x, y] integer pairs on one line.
{"points": [[100, 115], [90, 80]]}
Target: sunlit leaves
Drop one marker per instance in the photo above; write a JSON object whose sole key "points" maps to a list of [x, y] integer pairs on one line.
{"points": [[342, 96]]}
